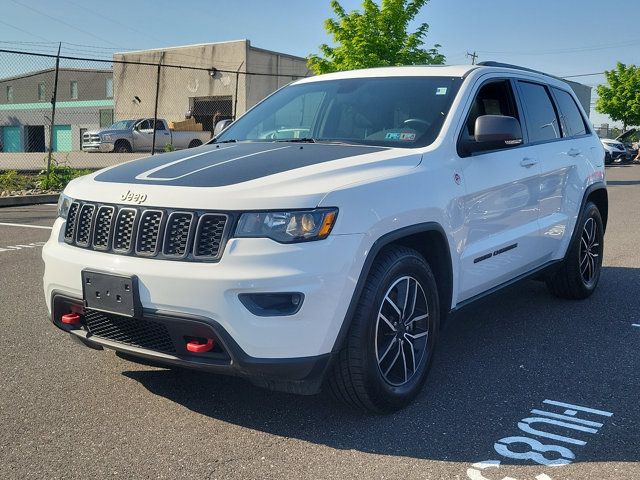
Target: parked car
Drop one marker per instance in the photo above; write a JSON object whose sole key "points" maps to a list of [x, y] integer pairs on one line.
{"points": [[137, 136], [323, 238], [627, 140], [615, 151]]}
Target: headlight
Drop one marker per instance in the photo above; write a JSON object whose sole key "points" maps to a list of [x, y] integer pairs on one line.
{"points": [[64, 203], [106, 138], [288, 227]]}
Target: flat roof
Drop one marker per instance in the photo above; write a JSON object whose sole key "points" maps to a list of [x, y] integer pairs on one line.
{"points": [[196, 45]]}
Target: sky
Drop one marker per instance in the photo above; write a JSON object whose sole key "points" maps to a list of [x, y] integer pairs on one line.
{"points": [[561, 37]]}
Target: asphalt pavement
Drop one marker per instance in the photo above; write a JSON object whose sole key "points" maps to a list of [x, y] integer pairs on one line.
{"points": [[525, 386]]}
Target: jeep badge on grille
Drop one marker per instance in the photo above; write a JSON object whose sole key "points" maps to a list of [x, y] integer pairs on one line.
{"points": [[129, 196]]}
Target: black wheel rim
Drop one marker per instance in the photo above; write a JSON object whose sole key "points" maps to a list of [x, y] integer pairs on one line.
{"points": [[402, 331], [589, 252]]}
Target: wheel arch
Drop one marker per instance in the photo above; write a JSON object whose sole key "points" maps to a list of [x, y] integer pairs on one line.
{"points": [[597, 193], [430, 240], [122, 141]]}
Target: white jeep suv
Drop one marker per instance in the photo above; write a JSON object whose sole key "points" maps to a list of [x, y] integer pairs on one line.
{"points": [[323, 237]]}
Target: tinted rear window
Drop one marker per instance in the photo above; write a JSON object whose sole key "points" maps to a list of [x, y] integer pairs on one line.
{"points": [[542, 121], [572, 121]]}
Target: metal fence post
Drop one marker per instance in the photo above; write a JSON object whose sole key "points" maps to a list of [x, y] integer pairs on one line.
{"points": [[235, 98], [155, 112], [53, 111]]}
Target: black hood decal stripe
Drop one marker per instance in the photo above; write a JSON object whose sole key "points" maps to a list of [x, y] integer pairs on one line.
{"points": [[221, 165]]}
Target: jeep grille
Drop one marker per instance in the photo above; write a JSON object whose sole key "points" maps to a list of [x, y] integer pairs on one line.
{"points": [[147, 232]]}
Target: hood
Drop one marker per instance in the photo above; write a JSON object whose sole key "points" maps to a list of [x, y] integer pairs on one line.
{"points": [[108, 131], [244, 175], [626, 135]]}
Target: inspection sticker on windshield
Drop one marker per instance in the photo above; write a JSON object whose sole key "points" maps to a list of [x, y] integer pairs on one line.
{"points": [[441, 91], [408, 137]]}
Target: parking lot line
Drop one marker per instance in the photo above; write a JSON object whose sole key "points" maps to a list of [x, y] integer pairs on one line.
{"points": [[24, 225], [635, 324]]}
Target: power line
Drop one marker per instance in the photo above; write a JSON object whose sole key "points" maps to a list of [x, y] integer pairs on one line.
{"points": [[64, 23], [605, 46], [23, 31], [116, 22]]}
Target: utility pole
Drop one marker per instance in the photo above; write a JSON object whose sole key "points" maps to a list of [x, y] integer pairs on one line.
{"points": [[473, 56]]}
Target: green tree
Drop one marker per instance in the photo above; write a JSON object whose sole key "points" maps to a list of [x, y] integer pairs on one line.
{"points": [[377, 36], [620, 98]]}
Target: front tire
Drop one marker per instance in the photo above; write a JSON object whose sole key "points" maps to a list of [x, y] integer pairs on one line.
{"points": [[580, 272], [389, 347]]}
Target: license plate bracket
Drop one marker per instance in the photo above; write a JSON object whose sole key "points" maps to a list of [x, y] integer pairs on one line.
{"points": [[111, 293]]}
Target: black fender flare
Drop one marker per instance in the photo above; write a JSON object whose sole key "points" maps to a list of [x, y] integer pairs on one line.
{"points": [[375, 249], [587, 192]]}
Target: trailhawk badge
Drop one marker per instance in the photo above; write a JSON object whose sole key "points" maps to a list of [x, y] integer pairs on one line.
{"points": [[129, 196]]}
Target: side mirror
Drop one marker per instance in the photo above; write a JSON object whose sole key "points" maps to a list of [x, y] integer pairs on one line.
{"points": [[498, 130], [220, 126]]}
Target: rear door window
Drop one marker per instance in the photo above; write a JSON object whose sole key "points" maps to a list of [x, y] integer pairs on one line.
{"points": [[542, 120], [573, 123]]}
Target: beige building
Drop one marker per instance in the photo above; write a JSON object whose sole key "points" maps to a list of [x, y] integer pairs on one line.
{"points": [[218, 89]]}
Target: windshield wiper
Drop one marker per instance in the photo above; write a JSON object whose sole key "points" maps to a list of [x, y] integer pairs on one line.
{"points": [[298, 140]]}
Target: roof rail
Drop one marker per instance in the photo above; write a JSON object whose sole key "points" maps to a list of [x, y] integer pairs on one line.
{"points": [[517, 67]]}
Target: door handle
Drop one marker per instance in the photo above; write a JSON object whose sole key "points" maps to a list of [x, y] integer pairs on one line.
{"points": [[574, 152], [528, 162]]}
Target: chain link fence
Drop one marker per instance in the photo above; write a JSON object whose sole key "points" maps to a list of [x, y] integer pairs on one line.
{"points": [[92, 113]]}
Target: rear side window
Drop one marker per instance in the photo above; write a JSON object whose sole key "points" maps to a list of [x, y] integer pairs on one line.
{"points": [[572, 121], [542, 121]]}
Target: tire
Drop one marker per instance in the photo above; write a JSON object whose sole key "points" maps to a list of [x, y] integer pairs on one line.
{"points": [[579, 274], [122, 146], [194, 143], [374, 370]]}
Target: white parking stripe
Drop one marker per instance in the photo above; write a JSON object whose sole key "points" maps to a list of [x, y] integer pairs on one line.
{"points": [[24, 225], [635, 324]]}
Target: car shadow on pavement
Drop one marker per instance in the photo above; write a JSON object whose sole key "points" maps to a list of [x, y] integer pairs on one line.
{"points": [[495, 363]]}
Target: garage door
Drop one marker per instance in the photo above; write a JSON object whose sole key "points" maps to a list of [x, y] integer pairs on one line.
{"points": [[62, 138], [11, 139]]}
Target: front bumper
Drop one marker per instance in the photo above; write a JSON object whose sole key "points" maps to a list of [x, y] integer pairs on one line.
{"points": [[97, 147], [294, 375], [325, 272]]}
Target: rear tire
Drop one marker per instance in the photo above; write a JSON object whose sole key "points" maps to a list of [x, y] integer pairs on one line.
{"points": [[194, 143], [579, 274], [388, 350]]}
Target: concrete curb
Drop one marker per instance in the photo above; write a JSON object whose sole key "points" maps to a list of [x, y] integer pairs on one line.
{"points": [[28, 200]]}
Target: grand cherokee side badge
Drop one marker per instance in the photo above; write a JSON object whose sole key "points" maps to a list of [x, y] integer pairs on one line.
{"points": [[129, 196]]}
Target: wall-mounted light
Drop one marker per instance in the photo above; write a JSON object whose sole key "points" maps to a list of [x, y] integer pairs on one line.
{"points": [[213, 72]]}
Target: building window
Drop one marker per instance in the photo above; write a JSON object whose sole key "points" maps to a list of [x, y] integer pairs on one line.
{"points": [[106, 118], [109, 87], [74, 89], [41, 92], [9, 94]]}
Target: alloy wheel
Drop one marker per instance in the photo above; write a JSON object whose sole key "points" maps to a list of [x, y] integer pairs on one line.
{"points": [[589, 252], [402, 331]]}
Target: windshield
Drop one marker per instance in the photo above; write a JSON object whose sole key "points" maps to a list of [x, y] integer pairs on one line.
{"points": [[389, 111], [122, 125]]}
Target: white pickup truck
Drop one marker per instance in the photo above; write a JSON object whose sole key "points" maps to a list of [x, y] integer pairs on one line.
{"points": [[128, 136]]}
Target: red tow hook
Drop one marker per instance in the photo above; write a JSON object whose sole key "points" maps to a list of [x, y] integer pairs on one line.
{"points": [[70, 319], [197, 346]]}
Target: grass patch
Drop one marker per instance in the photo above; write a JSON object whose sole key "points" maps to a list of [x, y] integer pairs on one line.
{"points": [[13, 182]]}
